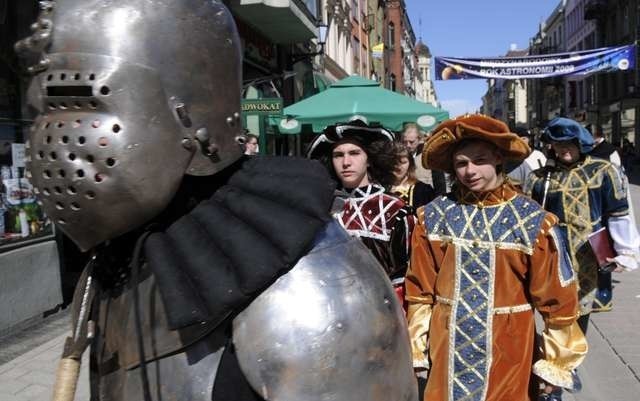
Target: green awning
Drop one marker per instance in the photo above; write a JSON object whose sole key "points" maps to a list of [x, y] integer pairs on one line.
{"points": [[357, 97]]}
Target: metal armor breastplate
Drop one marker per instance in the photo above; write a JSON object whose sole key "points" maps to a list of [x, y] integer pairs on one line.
{"points": [[329, 329]]}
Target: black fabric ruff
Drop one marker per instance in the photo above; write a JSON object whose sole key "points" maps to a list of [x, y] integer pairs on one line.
{"points": [[214, 260]]}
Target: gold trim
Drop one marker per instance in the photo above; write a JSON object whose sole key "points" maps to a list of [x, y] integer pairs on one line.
{"points": [[505, 310], [490, 306], [444, 300], [500, 310], [452, 323], [481, 244]]}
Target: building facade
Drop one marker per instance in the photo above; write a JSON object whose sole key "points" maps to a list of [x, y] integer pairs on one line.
{"points": [[506, 100], [616, 94], [399, 58], [338, 59], [423, 84], [609, 100], [546, 97], [580, 94]]}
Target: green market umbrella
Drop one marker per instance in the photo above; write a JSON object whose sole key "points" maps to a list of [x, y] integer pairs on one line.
{"points": [[357, 97]]}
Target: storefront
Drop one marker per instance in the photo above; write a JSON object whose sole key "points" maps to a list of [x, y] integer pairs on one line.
{"points": [[30, 274]]}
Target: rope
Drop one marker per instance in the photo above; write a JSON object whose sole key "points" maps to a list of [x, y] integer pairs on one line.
{"points": [[66, 379]]}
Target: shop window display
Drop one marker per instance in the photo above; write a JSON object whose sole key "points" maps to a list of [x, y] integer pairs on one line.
{"points": [[21, 218]]}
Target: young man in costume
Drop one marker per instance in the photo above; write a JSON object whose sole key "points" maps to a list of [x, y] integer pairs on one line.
{"points": [[483, 258], [586, 194], [362, 161], [135, 155]]}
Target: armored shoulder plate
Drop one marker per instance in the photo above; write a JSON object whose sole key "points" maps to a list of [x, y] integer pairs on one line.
{"points": [[329, 329]]}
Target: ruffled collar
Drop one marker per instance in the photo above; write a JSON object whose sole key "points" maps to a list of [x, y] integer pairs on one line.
{"points": [[211, 262]]}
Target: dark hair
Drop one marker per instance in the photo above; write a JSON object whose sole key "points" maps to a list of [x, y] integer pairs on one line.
{"points": [[382, 162], [250, 137]]}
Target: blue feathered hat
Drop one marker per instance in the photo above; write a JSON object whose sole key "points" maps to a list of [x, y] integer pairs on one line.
{"points": [[565, 129]]}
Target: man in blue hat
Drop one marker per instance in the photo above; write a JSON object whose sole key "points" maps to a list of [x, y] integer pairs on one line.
{"points": [[586, 194]]}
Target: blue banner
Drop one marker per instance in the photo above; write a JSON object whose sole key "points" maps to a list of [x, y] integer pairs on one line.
{"points": [[575, 64]]}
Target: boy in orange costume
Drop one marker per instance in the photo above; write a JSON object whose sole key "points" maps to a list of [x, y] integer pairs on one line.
{"points": [[483, 258]]}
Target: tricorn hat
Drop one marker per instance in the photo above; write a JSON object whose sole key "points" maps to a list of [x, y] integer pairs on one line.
{"points": [[357, 130], [438, 150]]}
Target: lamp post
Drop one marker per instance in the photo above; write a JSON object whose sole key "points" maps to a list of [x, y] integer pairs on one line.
{"points": [[322, 40]]}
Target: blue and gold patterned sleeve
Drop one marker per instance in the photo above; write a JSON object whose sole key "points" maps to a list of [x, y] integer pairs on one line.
{"points": [[614, 192], [554, 293], [566, 275]]}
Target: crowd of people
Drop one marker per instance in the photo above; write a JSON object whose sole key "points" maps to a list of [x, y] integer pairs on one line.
{"points": [[235, 277], [477, 229], [504, 233]]}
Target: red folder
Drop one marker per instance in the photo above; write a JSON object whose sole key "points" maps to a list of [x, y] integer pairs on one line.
{"points": [[602, 246]]}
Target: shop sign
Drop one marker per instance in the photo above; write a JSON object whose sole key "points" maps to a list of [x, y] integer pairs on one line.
{"points": [[271, 106], [377, 51]]}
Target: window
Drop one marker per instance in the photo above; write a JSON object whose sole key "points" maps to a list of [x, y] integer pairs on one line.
{"points": [[392, 82], [391, 35], [355, 44]]}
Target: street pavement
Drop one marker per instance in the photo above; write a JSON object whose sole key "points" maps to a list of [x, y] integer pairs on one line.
{"points": [[611, 371]]}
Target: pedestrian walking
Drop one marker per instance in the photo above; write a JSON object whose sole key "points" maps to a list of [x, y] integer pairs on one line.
{"points": [[483, 258], [629, 155], [587, 194]]}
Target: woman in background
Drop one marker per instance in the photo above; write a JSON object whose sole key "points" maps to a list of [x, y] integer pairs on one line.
{"points": [[406, 186]]}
